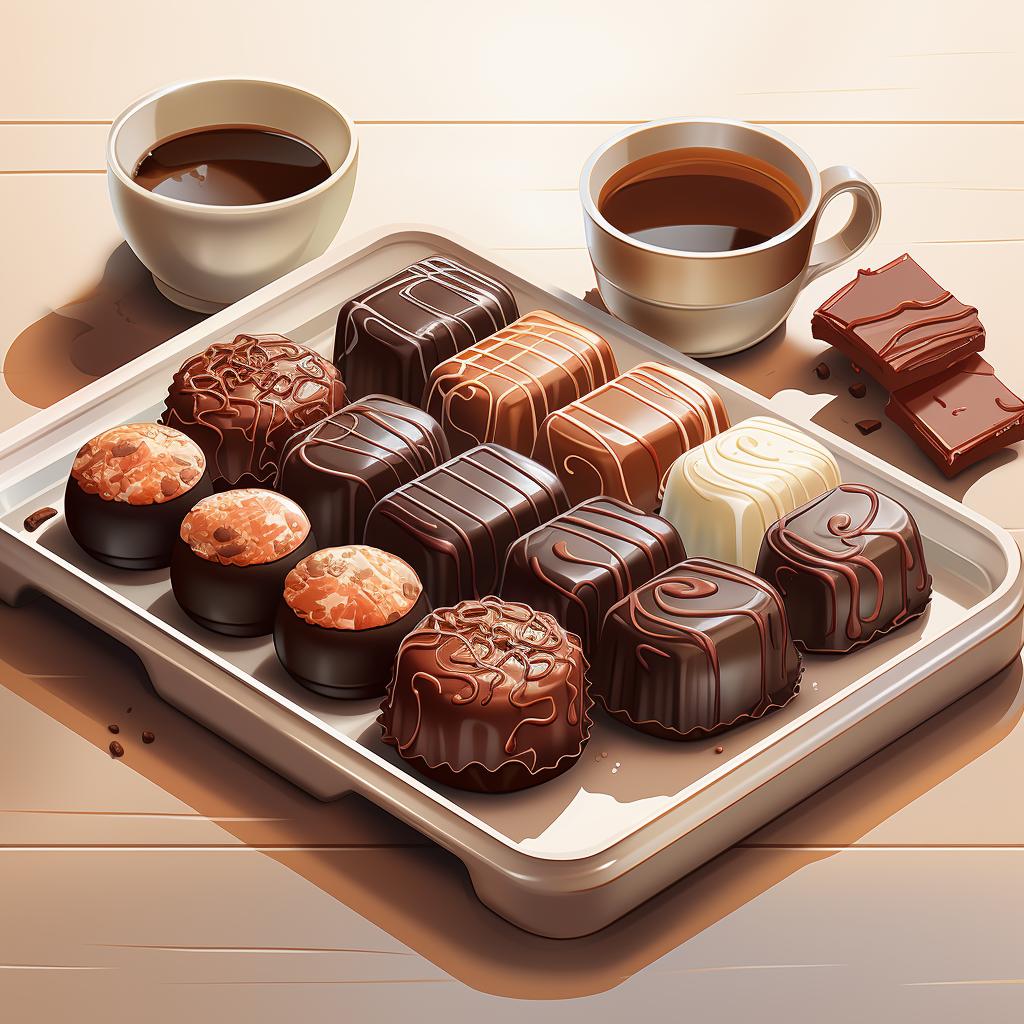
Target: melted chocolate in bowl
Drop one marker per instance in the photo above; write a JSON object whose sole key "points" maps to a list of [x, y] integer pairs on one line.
{"points": [[701, 200], [231, 165]]}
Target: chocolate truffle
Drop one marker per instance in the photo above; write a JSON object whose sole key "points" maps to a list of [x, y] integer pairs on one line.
{"points": [[898, 324], [701, 647], [241, 401], [501, 389], [231, 558], [960, 416], [585, 560], [128, 491], [488, 696], [850, 567], [455, 524], [390, 337], [345, 611], [339, 468], [621, 439], [723, 495]]}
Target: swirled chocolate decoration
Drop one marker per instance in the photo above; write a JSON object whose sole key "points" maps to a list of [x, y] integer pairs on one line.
{"points": [[488, 695], [139, 463], [699, 648], [585, 560], [339, 468], [622, 439], [850, 567], [455, 524], [898, 324], [391, 336], [501, 389], [242, 401], [960, 416]]}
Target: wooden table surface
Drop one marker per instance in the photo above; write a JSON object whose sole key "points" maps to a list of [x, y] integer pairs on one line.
{"points": [[186, 881]]}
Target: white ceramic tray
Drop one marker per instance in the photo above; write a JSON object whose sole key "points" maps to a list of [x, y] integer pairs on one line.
{"points": [[636, 813]]}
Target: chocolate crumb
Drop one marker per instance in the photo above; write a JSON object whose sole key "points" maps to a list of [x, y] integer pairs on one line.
{"points": [[188, 475], [37, 518], [116, 750], [114, 728], [230, 550], [868, 426], [128, 710], [858, 389], [823, 371], [223, 534], [169, 486], [148, 737], [124, 449], [719, 750]]}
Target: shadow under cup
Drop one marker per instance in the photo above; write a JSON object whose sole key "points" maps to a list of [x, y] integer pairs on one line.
{"points": [[713, 303], [203, 256]]}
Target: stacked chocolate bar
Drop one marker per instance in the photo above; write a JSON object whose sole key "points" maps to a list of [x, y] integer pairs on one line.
{"points": [[921, 344]]}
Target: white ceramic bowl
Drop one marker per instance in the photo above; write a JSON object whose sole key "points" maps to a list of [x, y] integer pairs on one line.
{"points": [[205, 257]]}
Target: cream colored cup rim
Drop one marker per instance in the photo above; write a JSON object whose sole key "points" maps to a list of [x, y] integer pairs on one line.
{"points": [[590, 206], [116, 168]]}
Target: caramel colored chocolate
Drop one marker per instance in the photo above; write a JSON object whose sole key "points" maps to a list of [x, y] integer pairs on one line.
{"points": [[622, 439], [242, 401], [502, 388], [488, 696], [699, 648], [455, 524], [390, 337], [339, 468], [960, 416], [898, 324], [585, 560], [850, 567]]}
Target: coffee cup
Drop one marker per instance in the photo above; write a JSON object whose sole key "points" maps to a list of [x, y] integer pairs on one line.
{"points": [[202, 256], [743, 280]]}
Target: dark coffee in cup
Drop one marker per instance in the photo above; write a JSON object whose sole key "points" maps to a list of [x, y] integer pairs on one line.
{"points": [[701, 200]]}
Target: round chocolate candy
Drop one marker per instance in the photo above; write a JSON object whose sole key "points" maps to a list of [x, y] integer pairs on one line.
{"points": [[489, 696], [128, 491], [241, 401], [231, 558], [344, 612]]}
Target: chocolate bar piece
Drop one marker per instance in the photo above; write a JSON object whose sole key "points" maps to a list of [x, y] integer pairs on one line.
{"points": [[699, 648], [390, 337], [960, 416], [899, 324], [578, 565], [850, 567], [622, 439], [455, 524], [502, 388]]}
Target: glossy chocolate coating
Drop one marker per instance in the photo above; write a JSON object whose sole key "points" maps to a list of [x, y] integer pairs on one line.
{"points": [[128, 491], [898, 324], [960, 416], [702, 647], [242, 401], [584, 561], [502, 388], [349, 664], [390, 337], [339, 468], [850, 567], [232, 599], [488, 696], [455, 524], [621, 439]]}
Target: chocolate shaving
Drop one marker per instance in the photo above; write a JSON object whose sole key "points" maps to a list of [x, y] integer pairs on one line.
{"points": [[37, 518]]}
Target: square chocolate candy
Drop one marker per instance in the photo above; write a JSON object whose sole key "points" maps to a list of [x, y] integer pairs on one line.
{"points": [[898, 324], [455, 524], [502, 388], [960, 416], [622, 439], [390, 337]]}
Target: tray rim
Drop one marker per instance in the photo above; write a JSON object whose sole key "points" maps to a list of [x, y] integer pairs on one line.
{"points": [[46, 423]]}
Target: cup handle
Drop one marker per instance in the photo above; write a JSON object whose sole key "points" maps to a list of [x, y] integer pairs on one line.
{"points": [[859, 229]]}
